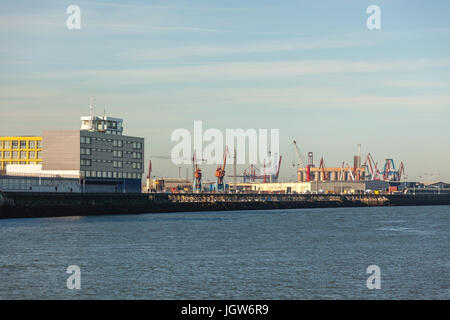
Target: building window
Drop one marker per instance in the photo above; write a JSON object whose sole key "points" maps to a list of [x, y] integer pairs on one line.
{"points": [[15, 144], [39, 155], [114, 174], [7, 144], [23, 154], [7, 155], [93, 174], [117, 164], [109, 174], [86, 151], [32, 155], [137, 155], [85, 162], [23, 144], [104, 174], [39, 144], [99, 174], [120, 175], [117, 153], [15, 155], [32, 144]]}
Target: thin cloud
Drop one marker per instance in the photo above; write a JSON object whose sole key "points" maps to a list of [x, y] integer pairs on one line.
{"points": [[140, 7], [241, 71], [246, 48]]}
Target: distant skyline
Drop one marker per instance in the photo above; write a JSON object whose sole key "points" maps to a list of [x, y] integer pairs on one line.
{"points": [[309, 68]]}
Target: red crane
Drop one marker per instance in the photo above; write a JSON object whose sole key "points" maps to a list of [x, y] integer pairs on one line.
{"points": [[278, 169], [322, 168], [373, 166]]}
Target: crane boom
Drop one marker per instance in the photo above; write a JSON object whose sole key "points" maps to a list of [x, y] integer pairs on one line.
{"points": [[300, 159]]}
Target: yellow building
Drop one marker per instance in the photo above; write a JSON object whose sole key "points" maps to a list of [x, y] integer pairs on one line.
{"points": [[20, 150]]}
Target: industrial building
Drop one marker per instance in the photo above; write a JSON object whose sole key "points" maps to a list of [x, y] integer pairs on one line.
{"points": [[336, 187], [98, 157]]}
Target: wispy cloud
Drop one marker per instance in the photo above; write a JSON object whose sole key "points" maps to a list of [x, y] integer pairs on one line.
{"points": [[140, 6], [241, 71], [417, 84], [244, 48]]}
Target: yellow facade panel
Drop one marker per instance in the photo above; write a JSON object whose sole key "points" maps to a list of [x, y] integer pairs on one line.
{"points": [[20, 150]]}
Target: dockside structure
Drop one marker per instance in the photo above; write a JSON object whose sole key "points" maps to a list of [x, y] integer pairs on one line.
{"points": [[98, 157]]}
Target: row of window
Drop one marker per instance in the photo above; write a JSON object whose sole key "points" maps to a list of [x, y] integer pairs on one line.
{"points": [[116, 143], [21, 144], [116, 153], [111, 174], [19, 162], [116, 164], [21, 155]]}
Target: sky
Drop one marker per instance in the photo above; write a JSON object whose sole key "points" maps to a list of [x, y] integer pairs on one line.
{"points": [[309, 68]]}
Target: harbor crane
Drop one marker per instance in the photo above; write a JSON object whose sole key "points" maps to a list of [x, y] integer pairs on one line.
{"points": [[249, 174], [350, 171], [390, 173], [197, 174], [373, 166], [322, 168], [220, 172], [196, 171], [301, 161], [149, 175]]}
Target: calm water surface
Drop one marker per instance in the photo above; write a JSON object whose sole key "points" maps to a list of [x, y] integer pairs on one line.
{"points": [[280, 254]]}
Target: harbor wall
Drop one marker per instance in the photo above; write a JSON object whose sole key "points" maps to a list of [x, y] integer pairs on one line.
{"points": [[28, 204]]}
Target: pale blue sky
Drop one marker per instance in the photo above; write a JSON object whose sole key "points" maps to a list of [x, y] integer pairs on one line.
{"points": [[310, 68]]}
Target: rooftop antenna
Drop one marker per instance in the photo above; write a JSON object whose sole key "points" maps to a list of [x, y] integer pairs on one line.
{"points": [[91, 106], [91, 113]]}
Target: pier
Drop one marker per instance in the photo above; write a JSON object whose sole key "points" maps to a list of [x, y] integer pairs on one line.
{"points": [[29, 204]]}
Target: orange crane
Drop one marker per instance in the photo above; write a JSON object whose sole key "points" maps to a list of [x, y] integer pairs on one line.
{"points": [[197, 175], [220, 172]]}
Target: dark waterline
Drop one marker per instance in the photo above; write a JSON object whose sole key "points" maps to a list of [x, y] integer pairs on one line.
{"points": [[279, 254]]}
